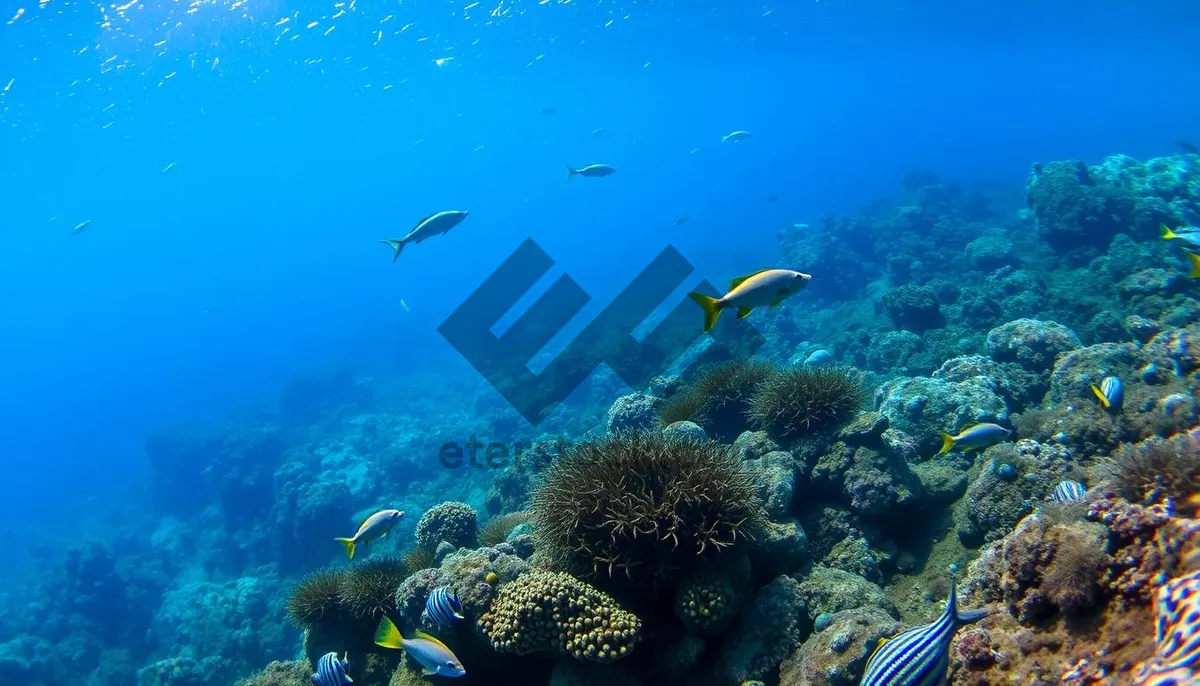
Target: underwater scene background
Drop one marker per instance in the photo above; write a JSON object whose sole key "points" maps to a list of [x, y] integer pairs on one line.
{"points": [[960, 426]]}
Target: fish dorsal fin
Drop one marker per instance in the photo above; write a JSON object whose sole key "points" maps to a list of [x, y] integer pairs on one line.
{"points": [[742, 279], [418, 224], [432, 639]]}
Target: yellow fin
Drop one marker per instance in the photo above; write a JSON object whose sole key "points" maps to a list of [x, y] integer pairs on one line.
{"points": [[711, 307], [431, 639], [882, 642], [388, 636], [1167, 234], [947, 443], [1194, 261], [1100, 395], [349, 543], [744, 312], [742, 279]]}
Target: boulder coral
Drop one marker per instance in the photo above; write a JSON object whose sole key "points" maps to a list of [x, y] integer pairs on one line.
{"points": [[454, 523]]}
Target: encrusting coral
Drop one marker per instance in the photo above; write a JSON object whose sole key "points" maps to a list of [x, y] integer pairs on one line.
{"points": [[552, 611], [643, 506]]}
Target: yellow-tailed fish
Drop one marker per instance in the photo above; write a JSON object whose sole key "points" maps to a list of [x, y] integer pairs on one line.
{"points": [[1193, 266], [376, 526], [432, 654], [1189, 236], [1110, 393], [974, 437], [766, 288], [921, 655], [433, 225]]}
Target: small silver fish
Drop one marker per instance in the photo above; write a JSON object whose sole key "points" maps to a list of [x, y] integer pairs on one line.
{"points": [[680, 221], [434, 225], [169, 167], [432, 654], [590, 170], [735, 136], [376, 526], [1110, 393], [80, 227]]}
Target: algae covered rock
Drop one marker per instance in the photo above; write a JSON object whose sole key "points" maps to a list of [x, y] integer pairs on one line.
{"points": [[768, 629], [828, 591], [1031, 343], [633, 412], [913, 308], [838, 654], [774, 477], [552, 611], [924, 407]]}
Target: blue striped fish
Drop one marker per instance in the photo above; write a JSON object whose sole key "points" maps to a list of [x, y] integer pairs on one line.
{"points": [[921, 655], [1176, 658], [1110, 393], [331, 671], [1068, 491], [442, 607]]}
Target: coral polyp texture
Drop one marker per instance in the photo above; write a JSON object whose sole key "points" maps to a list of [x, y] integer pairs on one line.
{"points": [[643, 506], [552, 611], [450, 522]]}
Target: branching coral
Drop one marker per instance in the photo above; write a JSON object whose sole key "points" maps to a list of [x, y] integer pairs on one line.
{"points": [[643, 506], [792, 403], [496, 529], [1156, 469], [719, 397]]}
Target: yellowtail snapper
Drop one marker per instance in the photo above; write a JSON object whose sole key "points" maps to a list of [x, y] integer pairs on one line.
{"points": [[432, 654], [376, 526], [765, 288], [331, 671], [433, 225], [1110, 393], [974, 437], [921, 655]]}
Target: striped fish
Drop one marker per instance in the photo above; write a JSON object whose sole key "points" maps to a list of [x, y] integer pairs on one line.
{"points": [[921, 655], [1176, 658], [1110, 393], [1068, 491], [442, 607], [331, 671]]}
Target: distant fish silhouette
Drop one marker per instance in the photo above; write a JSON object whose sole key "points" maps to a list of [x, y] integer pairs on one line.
{"points": [[735, 137], [546, 110], [771, 198], [81, 227], [680, 221], [1188, 147], [169, 167], [597, 132], [590, 170]]}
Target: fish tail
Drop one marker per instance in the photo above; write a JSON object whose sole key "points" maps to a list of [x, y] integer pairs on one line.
{"points": [[947, 443], [388, 636], [1100, 395], [571, 172], [349, 543], [1194, 262], [396, 247], [711, 307], [1167, 234], [968, 616]]}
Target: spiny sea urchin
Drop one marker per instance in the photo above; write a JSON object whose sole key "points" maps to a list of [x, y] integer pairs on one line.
{"points": [[368, 588], [719, 397], [315, 599], [795, 402]]}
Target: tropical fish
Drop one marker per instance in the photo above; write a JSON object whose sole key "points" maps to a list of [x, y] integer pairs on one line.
{"points": [[771, 198], [433, 225], [591, 170], [735, 136], [921, 655], [680, 221], [1176, 634], [433, 655], [819, 358], [376, 526], [1193, 266], [1068, 491], [331, 671], [1110, 392], [597, 132], [442, 607], [765, 288], [974, 437], [1188, 147], [546, 110], [80, 227], [1189, 236]]}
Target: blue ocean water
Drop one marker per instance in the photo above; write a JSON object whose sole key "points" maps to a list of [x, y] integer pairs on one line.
{"points": [[299, 134]]}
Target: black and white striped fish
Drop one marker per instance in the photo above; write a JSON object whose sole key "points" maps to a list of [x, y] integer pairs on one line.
{"points": [[1068, 491], [331, 671], [921, 655], [442, 607]]}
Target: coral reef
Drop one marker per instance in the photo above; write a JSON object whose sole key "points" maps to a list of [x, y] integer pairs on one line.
{"points": [[795, 402], [454, 523], [718, 398]]}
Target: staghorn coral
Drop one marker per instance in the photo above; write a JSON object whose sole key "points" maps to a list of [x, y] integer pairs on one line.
{"points": [[1156, 469], [799, 401], [455, 523], [719, 397], [497, 529], [644, 506], [552, 611], [316, 600], [367, 589]]}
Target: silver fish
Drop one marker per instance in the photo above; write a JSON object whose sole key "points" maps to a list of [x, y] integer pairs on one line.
{"points": [[433, 225], [376, 526], [433, 655], [590, 170], [735, 136]]}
